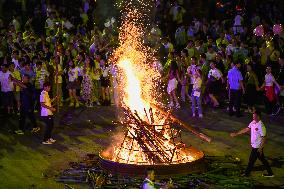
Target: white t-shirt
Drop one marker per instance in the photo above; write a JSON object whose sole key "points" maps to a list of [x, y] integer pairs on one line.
{"points": [[257, 130], [73, 74], [269, 80], [44, 98], [215, 73], [6, 83]]}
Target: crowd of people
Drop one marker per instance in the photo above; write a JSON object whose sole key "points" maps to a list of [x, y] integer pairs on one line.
{"points": [[214, 61], [205, 62]]}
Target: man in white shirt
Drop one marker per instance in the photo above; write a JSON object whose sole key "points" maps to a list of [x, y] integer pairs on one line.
{"points": [[47, 113], [258, 139], [7, 88]]}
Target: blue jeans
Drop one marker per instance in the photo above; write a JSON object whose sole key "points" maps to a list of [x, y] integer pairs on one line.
{"points": [[194, 100]]}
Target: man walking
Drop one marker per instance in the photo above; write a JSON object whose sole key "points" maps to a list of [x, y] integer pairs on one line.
{"points": [[236, 88], [258, 139]]}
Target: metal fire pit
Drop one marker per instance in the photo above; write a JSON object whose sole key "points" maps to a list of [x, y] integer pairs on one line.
{"points": [[195, 166], [150, 140]]}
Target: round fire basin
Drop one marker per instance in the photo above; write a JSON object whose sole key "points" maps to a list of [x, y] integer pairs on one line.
{"points": [[196, 166]]}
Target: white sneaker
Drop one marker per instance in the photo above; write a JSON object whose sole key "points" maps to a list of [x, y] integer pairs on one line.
{"points": [[193, 115], [47, 142], [52, 140], [200, 115]]}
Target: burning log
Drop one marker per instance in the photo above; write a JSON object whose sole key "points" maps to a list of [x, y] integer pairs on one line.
{"points": [[150, 139], [184, 125]]}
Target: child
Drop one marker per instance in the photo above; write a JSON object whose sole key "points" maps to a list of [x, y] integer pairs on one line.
{"points": [[196, 93], [47, 113]]}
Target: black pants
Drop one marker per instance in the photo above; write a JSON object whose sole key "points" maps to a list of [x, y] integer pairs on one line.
{"points": [[49, 123], [270, 106], [26, 114], [37, 94], [254, 155], [235, 101], [251, 95]]}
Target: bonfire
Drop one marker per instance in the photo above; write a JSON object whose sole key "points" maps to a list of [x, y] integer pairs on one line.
{"points": [[149, 138]]}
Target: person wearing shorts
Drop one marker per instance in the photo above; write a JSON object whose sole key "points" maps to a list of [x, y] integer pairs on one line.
{"points": [[7, 88]]}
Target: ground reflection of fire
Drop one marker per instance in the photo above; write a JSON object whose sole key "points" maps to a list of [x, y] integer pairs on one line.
{"points": [[149, 138]]}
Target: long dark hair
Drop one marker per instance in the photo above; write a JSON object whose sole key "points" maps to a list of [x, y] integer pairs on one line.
{"points": [[173, 66]]}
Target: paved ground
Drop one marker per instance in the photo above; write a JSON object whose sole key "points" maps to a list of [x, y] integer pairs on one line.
{"points": [[25, 163]]}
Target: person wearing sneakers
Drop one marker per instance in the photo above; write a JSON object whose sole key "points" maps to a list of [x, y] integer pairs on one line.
{"points": [[27, 104], [196, 93], [258, 139], [236, 88], [47, 113]]}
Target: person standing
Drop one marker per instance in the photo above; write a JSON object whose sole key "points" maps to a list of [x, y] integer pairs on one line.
{"points": [[270, 99], [7, 88], [214, 82], [47, 113], [236, 88], [173, 79], [196, 93], [258, 139], [73, 84], [251, 88], [16, 74], [87, 83], [27, 100], [57, 81], [41, 77]]}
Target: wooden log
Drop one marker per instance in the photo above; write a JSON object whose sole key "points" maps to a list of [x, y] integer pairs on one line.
{"points": [[184, 125]]}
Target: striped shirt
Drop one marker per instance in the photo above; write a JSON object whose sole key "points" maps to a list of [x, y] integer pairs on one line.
{"points": [[40, 78]]}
